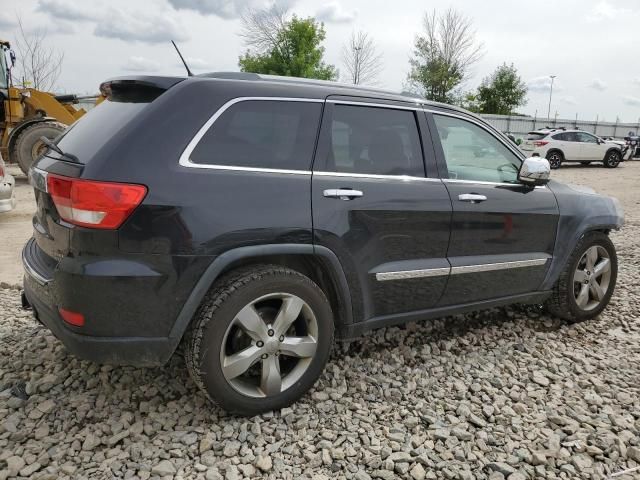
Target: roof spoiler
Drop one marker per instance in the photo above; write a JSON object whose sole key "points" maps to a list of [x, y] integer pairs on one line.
{"points": [[139, 82]]}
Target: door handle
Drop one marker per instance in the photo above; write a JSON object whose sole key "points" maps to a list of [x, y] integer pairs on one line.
{"points": [[471, 197], [342, 193]]}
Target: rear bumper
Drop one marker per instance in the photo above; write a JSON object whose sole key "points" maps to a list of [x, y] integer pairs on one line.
{"points": [[128, 307], [7, 198], [137, 351]]}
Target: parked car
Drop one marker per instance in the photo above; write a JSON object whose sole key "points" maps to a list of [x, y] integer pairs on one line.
{"points": [[561, 145], [280, 212], [7, 184]]}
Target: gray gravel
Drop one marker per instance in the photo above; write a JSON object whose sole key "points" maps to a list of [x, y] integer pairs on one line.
{"points": [[504, 394]]}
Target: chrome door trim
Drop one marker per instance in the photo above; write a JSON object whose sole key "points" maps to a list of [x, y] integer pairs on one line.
{"points": [[407, 274], [185, 159], [437, 272], [407, 178], [480, 182], [490, 267]]}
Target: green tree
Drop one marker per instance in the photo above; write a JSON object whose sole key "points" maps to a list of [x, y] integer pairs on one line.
{"points": [[291, 48], [443, 56], [502, 92]]}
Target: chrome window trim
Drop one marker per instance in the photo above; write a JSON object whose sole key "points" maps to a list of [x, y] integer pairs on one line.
{"points": [[490, 267], [480, 182], [437, 272], [185, 159], [407, 274], [374, 175]]}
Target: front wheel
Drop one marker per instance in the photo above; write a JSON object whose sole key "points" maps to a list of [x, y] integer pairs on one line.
{"points": [[260, 339], [555, 159], [612, 160], [586, 285]]}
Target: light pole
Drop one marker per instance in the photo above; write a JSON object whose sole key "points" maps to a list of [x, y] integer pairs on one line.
{"points": [[550, 94], [357, 66]]}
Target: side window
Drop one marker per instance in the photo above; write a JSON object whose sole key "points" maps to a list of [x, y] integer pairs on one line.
{"points": [[562, 137], [263, 134], [472, 153], [586, 138], [372, 140]]}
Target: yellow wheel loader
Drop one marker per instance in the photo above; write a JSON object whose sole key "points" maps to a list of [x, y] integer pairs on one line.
{"points": [[27, 114]]}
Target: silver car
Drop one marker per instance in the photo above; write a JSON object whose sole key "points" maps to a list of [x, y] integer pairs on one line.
{"points": [[7, 183]]}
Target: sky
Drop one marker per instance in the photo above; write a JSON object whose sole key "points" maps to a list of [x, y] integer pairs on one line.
{"points": [[591, 46]]}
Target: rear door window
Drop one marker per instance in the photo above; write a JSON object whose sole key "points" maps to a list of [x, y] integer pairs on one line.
{"points": [[262, 134], [374, 140]]}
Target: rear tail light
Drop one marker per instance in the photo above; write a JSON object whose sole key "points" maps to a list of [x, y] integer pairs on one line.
{"points": [[94, 204], [540, 143], [72, 318]]}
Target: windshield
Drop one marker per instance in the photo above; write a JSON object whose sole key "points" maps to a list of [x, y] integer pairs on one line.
{"points": [[4, 77], [535, 135]]}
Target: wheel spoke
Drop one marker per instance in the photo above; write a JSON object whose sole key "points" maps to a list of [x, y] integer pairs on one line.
{"points": [[289, 312], [271, 381], [238, 363], [579, 276], [592, 257], [603, 266], [583, 296], [302, 347], [596, 291], [252, 323]]}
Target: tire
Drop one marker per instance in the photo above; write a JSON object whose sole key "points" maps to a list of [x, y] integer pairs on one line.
{"points": [[555, 158], [564, 302], [217, 333], [585, 163], [612, 159], [28, 145]]}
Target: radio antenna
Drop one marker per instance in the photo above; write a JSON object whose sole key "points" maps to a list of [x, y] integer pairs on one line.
{"points": [[189, 72]]}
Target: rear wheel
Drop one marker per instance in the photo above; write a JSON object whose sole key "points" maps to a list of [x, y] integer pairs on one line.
{"points": [[260, 339], [555, 159], [588, 280], [612, 159], [28, 145]]}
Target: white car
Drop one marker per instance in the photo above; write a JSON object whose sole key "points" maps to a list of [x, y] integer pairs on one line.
{"points": [[7, 183], [560, 145]]}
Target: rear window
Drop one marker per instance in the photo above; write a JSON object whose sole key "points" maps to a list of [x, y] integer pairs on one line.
{"points": [[93, 130], [536, 135], [263, 134]]}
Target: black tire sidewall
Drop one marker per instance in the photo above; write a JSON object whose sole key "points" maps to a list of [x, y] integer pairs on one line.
{"points": [[576, 312], [616, 163], [209, 362], [29, 136]]}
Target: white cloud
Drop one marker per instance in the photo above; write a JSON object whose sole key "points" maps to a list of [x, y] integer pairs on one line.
{"points": [[334, 12], [134, 26], [543, 85], [631, 101], [637, 81], [568, 100], [7, 21], [68, 10], [598, 84], [605, 10], [227, 9], [141, 64]]}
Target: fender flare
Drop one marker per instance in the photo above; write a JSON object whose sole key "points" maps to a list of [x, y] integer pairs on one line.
{"points": [[19, 128], [213, 272]]}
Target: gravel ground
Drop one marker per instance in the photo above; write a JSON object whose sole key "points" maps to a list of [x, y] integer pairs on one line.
{"points": [[509, 393]]}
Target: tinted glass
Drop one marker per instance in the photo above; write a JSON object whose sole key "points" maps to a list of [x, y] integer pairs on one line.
{"points": [[472, 153], [535, 136], [560, 136], [585, 137], [370, 140], [263, 134], [91, 132]]}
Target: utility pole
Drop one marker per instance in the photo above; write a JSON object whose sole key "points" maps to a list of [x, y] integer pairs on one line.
{"points": [[550, 95], [357, 69]]}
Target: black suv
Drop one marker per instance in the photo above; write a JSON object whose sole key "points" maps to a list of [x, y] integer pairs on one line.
{"points": [[252, 217]]}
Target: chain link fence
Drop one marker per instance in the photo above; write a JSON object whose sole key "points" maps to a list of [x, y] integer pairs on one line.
{"points": [[520, 126]]}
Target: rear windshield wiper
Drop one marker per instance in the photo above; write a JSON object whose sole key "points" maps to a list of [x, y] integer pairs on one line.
{"points": [[57, 149]]}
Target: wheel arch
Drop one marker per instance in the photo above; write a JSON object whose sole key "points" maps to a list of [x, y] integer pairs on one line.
{"points": [[13, 136], [318, 263]]}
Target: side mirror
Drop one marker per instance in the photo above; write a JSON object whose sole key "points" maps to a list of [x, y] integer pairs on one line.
{"points": [[535, 171]]}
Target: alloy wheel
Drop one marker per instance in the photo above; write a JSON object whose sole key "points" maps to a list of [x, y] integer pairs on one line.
{"points": [[555, 160], [269, 345], [613, 159], [591, 278]]}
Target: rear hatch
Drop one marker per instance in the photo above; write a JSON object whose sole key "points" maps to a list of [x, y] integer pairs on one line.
{"points": [[527, 145], [58, 227]]}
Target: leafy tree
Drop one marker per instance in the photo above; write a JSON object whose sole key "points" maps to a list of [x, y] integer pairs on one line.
{"points": [[284, 47], [502, 92], [443, 55]]}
